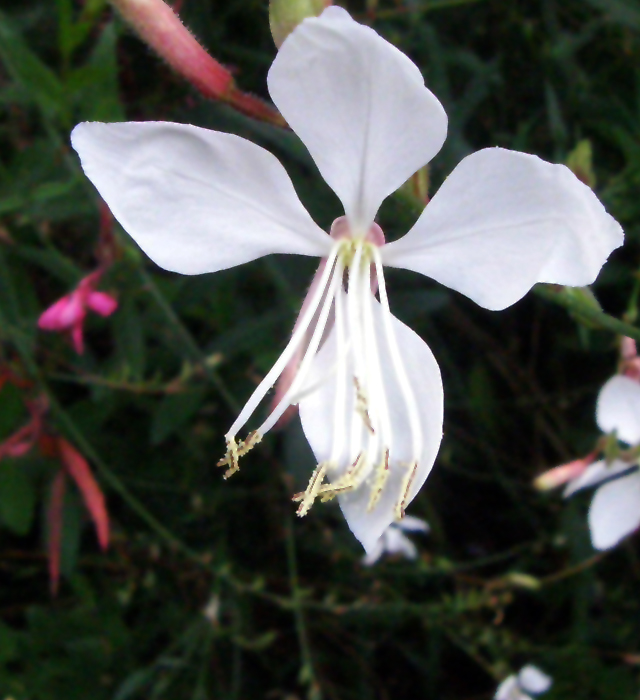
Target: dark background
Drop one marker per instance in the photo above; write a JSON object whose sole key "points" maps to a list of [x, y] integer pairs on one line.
{"points": [[292, 613]]}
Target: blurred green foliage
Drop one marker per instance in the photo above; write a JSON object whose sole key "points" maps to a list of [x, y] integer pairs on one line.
{"points": [[214, 589]]}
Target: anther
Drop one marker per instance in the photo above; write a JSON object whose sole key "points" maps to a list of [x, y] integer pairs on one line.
{"points": [[406, 487], [236, 450], [381, 476], [309, 496], [231, 456], [348, 482]]}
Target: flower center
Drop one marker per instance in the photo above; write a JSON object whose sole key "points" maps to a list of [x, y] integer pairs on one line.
{"points": [[343, 302]]}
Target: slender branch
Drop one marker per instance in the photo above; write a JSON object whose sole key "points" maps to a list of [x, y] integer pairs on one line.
{"points": [[584, 311], [307, 672], [186, 339]]}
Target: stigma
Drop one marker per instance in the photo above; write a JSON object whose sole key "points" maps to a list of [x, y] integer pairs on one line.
{"points": [[341, 301]]}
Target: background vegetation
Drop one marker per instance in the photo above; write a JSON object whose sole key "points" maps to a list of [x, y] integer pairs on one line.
{"points": [[213, 589]]}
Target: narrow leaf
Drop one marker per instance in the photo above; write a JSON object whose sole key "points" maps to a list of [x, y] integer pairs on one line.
{"points": [[79, 470], [54, 522]]}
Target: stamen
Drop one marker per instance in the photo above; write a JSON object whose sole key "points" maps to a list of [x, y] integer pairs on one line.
{"points": [[235, 451], [354, 319], [398, 365], [381, 476], [312, 349], [347, 482], [340, 405], [231, 457], [297, 338], [406, 487], [315, 482], [374, 368]]}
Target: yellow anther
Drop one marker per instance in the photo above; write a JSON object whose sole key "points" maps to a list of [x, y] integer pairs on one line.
{"points": [[236, 450], [347, 482], [401, 505], [381, 476], [315, 482], [231, 456]]}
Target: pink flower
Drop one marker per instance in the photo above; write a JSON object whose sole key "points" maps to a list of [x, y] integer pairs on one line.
{"points": [[67, 314]]}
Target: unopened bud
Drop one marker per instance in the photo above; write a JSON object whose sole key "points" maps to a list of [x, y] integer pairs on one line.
{"points": [[561, 475], [628, 348], [580, 162], [417, 186], [526, 581], [286, 15], [159, 26]]}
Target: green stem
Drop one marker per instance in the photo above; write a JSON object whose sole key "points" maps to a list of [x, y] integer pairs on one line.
{"points": [[585, 311], [307, 673], [186, 339]]}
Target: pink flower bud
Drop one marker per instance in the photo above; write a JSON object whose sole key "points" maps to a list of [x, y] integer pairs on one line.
{"points": [[565, 472], [628, 348], [160, 27]]}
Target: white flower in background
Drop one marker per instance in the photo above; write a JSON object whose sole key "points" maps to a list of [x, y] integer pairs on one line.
{"points": [[615, 509], [394, 541], [527, 684], [368, 388]]}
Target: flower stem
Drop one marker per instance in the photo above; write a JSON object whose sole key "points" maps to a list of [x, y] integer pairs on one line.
{"points": [[307, 672], [584, 311], [188, 343]]}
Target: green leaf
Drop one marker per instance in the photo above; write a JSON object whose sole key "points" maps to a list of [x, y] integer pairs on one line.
{"points": [[95, 85], [13, 410], [17, 496], [8, 643], [130, 341], [29, 71], [134, 683], [174, 411], [74, 520], [52, 261]]}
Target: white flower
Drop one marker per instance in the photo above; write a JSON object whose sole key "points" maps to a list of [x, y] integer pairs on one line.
{"points": [[370, 394], [394, 541], [615, 509], [530, 681]]}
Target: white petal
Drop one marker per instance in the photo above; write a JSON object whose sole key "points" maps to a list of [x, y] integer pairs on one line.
{"points": [[509, 690], [317, 409], [359, 105], [196, 200], [533, 680], [399, 543], [412, 524], [503, 221], [615, 511], [618, 408], [371, 557], [594, 474]]}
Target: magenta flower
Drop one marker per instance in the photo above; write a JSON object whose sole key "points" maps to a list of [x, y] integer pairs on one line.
{"points": [[67, 314]]}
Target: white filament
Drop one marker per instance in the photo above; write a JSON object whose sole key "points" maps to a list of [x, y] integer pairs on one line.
{"points": [[309, 355], [398, 365], [297, 337]]}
